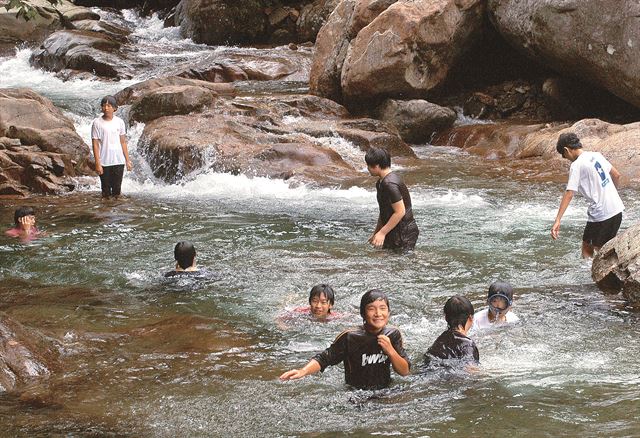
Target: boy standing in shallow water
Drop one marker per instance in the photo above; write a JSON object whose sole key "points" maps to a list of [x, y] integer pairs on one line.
{"points": [[368, 352], [596, 179], [110, 148], [396, 227]]}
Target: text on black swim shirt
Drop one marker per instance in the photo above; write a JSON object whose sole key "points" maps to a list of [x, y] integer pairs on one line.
{"points": [[366, 366]]}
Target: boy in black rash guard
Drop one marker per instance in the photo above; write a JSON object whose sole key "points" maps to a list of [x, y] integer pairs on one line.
{"points": [[396, 227], [367, 351], [453, 343]]}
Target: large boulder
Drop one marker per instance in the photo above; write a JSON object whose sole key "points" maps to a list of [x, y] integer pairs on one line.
{"points": [[217, 22], [48, 18], [39, 148], [86, 51], [595, 40], [371, 50], [170, 100], [312, 17], [283, 137], [616, 267], [416, 120]]}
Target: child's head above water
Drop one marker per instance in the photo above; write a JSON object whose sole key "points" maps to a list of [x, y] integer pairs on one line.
{"points": [[374, 309], [321, 300], [22, 212], [500, 297], [458, 311], [184, 253]]}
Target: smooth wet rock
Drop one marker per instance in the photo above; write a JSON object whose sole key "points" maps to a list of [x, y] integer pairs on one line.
{"points": [[86, 51], [113, 31], [616, 267], [134, 93], [533, 147], [170, 100], [264, 136], [26, 356], [416, 120], [40, 150], [596, 41]]}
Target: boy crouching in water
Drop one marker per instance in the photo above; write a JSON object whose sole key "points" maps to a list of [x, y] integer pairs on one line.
{"points": [[453, 343], [367, 351]]}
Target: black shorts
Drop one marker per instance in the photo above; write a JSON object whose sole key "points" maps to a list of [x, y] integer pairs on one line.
{"points": [[598, 233]]}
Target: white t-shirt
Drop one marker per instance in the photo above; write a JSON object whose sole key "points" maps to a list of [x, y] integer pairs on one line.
{"points": [[589, 175], [481, 320], [109, 132]]}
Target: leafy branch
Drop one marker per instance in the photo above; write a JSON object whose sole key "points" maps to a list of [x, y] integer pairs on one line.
{"points": [[25, 10]]}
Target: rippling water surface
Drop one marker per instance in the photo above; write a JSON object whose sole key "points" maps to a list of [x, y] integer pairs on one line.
{"points": [[147, 356]]}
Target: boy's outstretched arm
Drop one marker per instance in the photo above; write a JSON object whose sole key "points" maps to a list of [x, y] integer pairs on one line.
{"points": [[399, 363], [310, 368], [566, 199]]}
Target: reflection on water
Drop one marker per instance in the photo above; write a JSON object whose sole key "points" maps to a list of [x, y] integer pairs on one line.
{"points": [[143, 356]]}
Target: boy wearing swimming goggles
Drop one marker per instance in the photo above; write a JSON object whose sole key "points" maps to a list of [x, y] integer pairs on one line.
{"points": [[500, 300]]}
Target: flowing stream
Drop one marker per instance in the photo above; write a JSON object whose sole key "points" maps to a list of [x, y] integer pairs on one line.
{"points": [[145, 356]]}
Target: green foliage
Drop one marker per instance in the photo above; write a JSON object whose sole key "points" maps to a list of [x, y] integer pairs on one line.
{"points": [[25, 10]]}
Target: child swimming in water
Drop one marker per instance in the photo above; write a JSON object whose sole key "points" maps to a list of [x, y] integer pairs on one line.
{"points": [[185, 255], [24, 224], [453, 343], [500, 300], [368, 352]]}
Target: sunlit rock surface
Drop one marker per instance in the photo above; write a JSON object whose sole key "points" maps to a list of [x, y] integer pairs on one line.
{"points": [[616, 267], [39, 147]]}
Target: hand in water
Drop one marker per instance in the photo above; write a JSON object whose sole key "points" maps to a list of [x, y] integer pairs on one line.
{"points": [[377, 240], [555, 230]]}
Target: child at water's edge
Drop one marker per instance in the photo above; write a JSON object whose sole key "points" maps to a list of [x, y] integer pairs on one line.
{"points": [[110, 148], [368, 351], [454, 343], [500, 300], [24, 219]]}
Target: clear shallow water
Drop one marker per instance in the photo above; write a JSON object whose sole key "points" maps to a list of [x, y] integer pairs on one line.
{"points": [[145, 356]]}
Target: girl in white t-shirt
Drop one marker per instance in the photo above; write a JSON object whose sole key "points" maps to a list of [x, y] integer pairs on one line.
{"points": [[110, 148]]}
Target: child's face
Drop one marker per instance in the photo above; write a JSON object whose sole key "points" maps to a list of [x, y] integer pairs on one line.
{"points": [[499, 306], [27, 221], [376, 314], [373, 170], [320, 306], [107, 109]]}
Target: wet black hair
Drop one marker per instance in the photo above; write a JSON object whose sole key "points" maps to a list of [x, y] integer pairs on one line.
{"points": [[110, 100], [184, 253], [568, 140], [457, 311], [22, 212], [501, 289], [319, 289], [378, 156], [370, 297]]}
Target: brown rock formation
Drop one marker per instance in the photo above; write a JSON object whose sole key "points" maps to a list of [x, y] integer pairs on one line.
{"points": [[39, 148], [616, 267]]}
